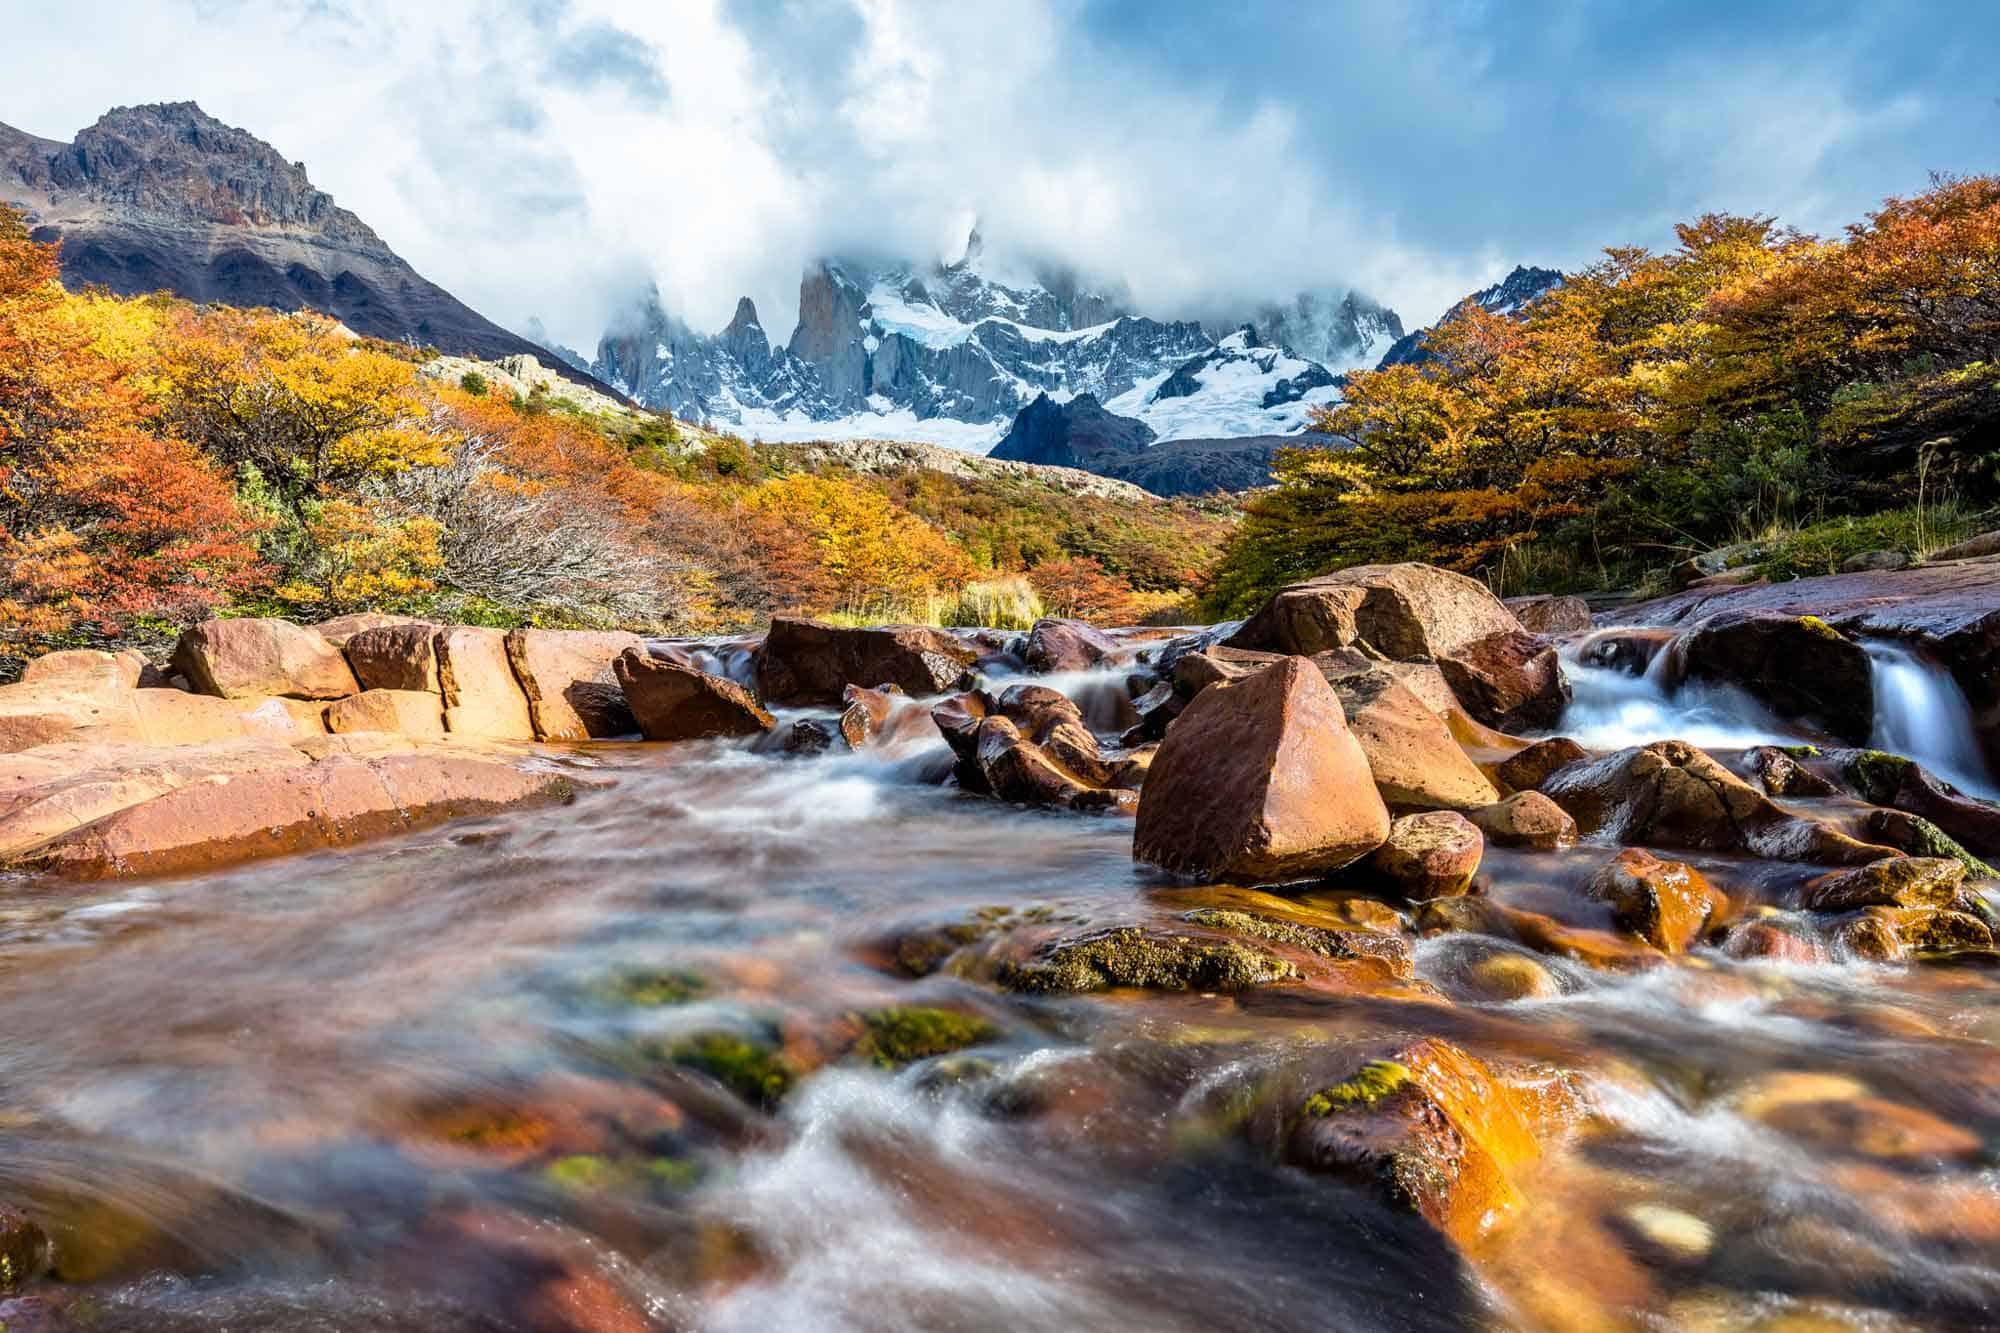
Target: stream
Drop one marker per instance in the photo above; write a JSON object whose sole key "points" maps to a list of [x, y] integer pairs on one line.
{"points": [[442, 1083]]}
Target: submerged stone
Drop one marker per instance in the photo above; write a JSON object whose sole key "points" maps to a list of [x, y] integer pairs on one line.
{"points": [[1146, 959], [899, 1036]]}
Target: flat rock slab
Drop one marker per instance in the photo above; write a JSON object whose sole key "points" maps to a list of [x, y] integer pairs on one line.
{"points": [[482, 699], [567, 677]]}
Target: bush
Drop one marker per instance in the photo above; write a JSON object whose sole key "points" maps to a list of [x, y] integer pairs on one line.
{"points": [[473, 383], [1820, 548]]}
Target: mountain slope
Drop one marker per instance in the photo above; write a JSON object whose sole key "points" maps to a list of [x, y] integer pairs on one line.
{"points": [[167, 197], [1506, 297], [1080, 433]]}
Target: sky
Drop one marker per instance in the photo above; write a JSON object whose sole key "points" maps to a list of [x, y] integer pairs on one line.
{"points": [[553, 158]]}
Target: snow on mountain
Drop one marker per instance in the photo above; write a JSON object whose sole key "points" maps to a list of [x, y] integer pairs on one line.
{"points": [[1341, 330], [1509, 296], [1241, 386]]}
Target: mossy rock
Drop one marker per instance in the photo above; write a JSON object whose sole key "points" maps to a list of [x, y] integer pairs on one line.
{"points": [[582, 1173], [1814, 625], [589, 1173], [651, 988], [1876, 773], [1923, 838], [1374, 1081], [901, 1036], [926, 949], [1344, 945], [754, 1071], [1144, 959]]}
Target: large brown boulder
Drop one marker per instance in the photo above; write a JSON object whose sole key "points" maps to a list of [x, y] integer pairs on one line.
{"points": [[1512, 681], [1543, 613], [1066, 645], [418, 713], [672, 702], [86, 666], [1526, 819], [1665, 903], [482, 699], [1398, 611], [395, 657], [567, 676], [1903, 881], [809, 662], [1261, 781], [1433, 855], [1669, 794], [1030, 747], [1416, 763], [240, 658], [1798, 666], [340, 629]]}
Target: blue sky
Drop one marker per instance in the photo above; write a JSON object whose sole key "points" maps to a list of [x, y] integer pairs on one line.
{"points": [[547, 157]]}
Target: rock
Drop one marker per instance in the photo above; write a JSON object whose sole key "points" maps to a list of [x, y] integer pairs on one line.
{"points": [[112, 671], [1973, 548], [1156, 708], [1891, 780], [1430, 855], [24, 1250], [1798, 666], [1415, 762], [1526, 819], [1527, 770], [808, 662], [481, 697], [1925, 932], [1668, 1234], [1261, 781], [1864, 562], [1338, 943], [416, 713], [1066, 645], [1031, 747], [672, 702], [1145, 959], [1665, 903], [1669, 794], [1902, 881], [1783, 775], [1768, 940], [1917, 836], [1430, 1128], [1512, 681], [395, 657], [1015, 769], [1511, 976], [1631, 651], [806, 737], [567, 677], [64, 706], [284, 802], [865, 714], [1545, 614], [1601, 949], [343, 628], [1866, 1126], [1403, 612], [238, 658]]}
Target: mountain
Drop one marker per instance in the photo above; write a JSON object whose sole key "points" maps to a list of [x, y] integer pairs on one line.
{"points": [[1509, 296], [950, 353], [1081, 433], [167, 197], [1342, 332]]}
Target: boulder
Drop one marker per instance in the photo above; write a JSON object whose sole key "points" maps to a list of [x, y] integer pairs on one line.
{"points": [[1902, 881], [1798, 666], [1404, 612], [1428, 1127], [239, 658], [1526, 819], [247, 800], [1066, 645], [1772, 942], [395, 657], [1432, 855], [343, 628], [1143, 958], [1781, 774], [1527, 769], [1016, 769], [1973, 548], [672, 702], [112, 671], [1669, 794], [1512, 681], [809, 662], [1665, 903], [866, 713], [482, 699], [1030, 747], [418, 713], [1891, 780], [1261, 781], [567, 676], [1917, 836], [67, 705], [1546, 614], [1631, 650], [1416, 763]]}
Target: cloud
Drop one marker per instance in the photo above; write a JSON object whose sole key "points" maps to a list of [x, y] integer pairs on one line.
{"points": [[550, 157]]}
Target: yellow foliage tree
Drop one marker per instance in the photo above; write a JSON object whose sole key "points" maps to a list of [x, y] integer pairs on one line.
{"points": [[876, 558]]}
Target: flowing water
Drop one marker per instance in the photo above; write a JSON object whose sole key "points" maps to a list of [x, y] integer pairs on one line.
{"points": [[443, 1083]]}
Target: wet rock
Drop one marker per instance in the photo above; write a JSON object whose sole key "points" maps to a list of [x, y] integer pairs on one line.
{"points": [[568, 679], [1783, 775], [1798, 666], [1669, 794], [1512, 681], [481, 697], [1430, 1128], [235, 659], [1891, 780], [1933, 932], [1528, 769], [1156, 708], [1400, 611], [671, 702], [1667, 1235], [1772, 942], [1526, 819], [866, 712], [756, 1070], [1143, 958], [1631, 651], [1875, 1127], [1919, 837], [404, 712], [1392, 951], [1543, 613], [395, 657], [1902, 881], [1665, 903], [1066, 645], [806, 737], [24, 1250], [892, 1038], [1415, 762], [807, 662], [1217, 665], [1014, 768], [1600, 949], [1432, 855], [1260, 781], [1511, 976]]}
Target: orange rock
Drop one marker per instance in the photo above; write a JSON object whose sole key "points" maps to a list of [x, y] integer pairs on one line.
{"points": [[567, 676], [1432, 855], [116, 670], [672, 702], [406, 712], [395, 657], [341, 629], [247, 657], [481, 697], [1416, 763], [1665, 903], [1526, 819]]}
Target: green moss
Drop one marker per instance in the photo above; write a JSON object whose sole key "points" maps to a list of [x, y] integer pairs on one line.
{"points": [[756, 1073], [1814, 625], [1327, 943], [901, 1036], [651, 988], [676, 1173], [1801, 751], [1151, 960], [1374, 1081], [1927, 839], [582, 1173], [1876, 773]]}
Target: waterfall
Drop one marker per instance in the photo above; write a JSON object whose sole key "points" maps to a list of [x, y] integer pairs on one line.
{"points": [[1610, 709], [1920, 712]]}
